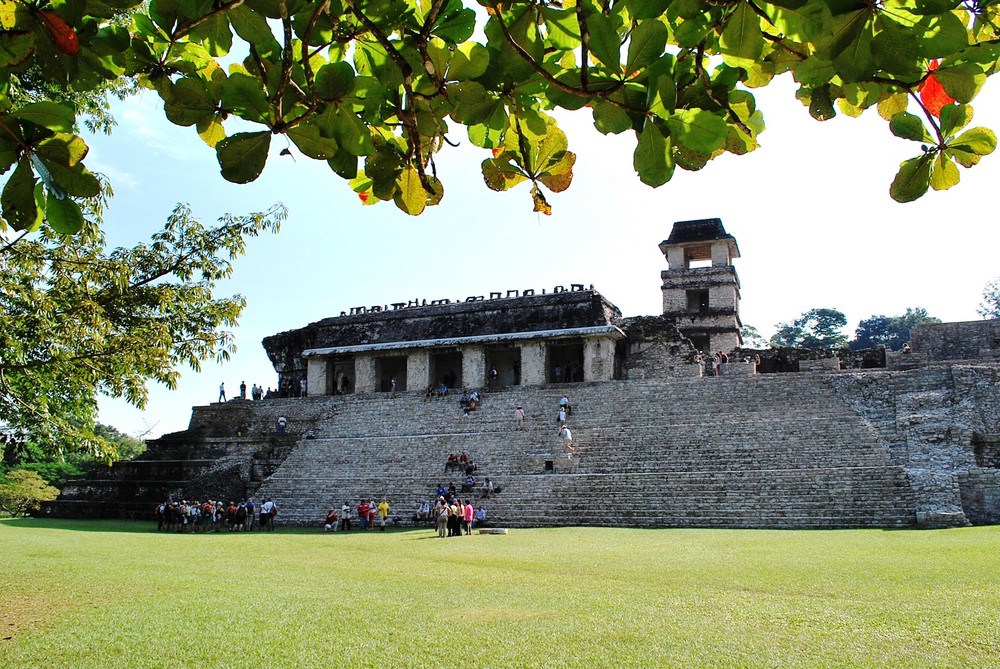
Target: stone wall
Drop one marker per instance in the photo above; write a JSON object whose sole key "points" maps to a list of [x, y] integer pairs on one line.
{"points": [[970, 340]]}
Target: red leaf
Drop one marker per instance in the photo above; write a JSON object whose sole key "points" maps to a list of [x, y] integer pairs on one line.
{"points": [[63, 37], [932, 93]]}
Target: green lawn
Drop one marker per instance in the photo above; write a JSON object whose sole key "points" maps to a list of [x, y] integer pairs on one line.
{"points": [[105, 594]]}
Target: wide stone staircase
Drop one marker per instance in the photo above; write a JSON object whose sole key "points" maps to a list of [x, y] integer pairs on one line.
{"points": [[763, 451]]}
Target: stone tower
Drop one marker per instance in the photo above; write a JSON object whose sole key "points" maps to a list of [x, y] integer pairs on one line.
{"points": [[700, 286]]}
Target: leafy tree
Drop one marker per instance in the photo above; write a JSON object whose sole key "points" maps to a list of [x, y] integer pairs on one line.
{"points": [[816, 328], [24, 491], [752, 338], [376, 87], [890, 331], [990, 306], [79, 319]]}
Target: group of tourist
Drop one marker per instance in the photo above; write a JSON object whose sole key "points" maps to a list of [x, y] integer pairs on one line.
{"points": [[257, 393], [369, 515], [214, 515], [712, 365]]}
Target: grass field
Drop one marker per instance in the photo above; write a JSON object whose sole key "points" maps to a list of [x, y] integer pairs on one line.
{"points": [[114, 594]]}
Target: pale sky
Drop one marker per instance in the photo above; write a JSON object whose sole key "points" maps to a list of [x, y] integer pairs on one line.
{"points": [[810, 211]]}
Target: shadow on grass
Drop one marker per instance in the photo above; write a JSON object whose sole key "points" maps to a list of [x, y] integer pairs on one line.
{"points": [[149, 527]]}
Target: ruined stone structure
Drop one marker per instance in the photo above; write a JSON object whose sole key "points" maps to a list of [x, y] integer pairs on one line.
{"points": [[817, 439]]}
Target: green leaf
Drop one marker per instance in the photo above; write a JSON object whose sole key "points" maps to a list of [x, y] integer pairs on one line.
{"points": [[214, 35], [698, 129], [647, 9], [211, 130], [604, 42], [310, 142], [645, 45], [912, 180], [16, 48], [63, 216], [610, 119], [559, 175], [944, 173], [456, 27], [979, 141], [652, 159], [411, 197], [63, 148], [344, 164], [563, 28], [909, 126], [961, 82], [242, 156], [245, 96], [820, 104], [851, 45], [18, 198], [954, 118], [894, 47], [351, 133], [941, 35], [253, 29], [500, 175], [335, 80], [190, 101], [51, 115], [893, 104], [76, 180], [469, 61], [742, 36], [804, 22]]}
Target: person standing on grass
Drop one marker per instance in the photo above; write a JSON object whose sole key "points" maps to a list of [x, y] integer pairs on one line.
{"points": [[383, 513], [345, 516], [442, 518], [470, 514]]}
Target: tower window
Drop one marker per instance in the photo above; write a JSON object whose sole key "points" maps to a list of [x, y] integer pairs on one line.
{"points": [[697, 301]]}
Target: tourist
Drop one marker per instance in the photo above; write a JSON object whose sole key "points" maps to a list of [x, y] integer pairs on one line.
{"points": [[302, 388], [442, 518], [557, 372], [470, 514], [492, 376], [567, 438], [282, 422], [756, 363], [363, 509], [561, 417], [700, 359], [243, 390], [392, 387], [383, 513], [518, 418], [268, 510], [481, 514], [564, 404], [251, 513], [372, 513], [345, 516], [222, 391], [470, 481], [331, 522]]}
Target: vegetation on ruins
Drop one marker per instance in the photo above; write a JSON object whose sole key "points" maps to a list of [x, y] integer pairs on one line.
{"points": [[990, 306], [376, 88], [81, 319], [815, 328], [569, 597], [890, 331]]}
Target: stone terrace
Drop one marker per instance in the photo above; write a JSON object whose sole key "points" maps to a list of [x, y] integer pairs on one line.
{"points": [[765, 451]]}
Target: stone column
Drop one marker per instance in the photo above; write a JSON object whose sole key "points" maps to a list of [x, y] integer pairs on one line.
{"points": [[474, 366], [316, 377], [418, 370], [533, 363], [364, 370], [598, 359]]}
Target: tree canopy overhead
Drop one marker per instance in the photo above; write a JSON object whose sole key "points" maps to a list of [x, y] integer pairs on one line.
{"points": [[377, 87]]}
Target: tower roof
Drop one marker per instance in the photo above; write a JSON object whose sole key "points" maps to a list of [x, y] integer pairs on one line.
{"points": [[701, 230]]}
